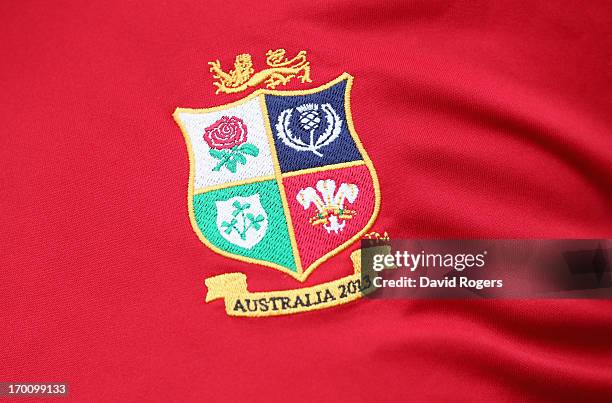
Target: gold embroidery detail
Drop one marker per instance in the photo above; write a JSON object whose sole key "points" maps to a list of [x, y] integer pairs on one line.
{"points": [[232, 288], [281, 71], [377, 236]]}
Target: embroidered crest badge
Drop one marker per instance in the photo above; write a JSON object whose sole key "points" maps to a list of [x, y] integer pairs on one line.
{"points": [[279, 179]]}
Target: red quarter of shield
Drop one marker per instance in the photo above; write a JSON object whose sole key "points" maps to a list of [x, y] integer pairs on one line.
{"points": [[328, 208]]}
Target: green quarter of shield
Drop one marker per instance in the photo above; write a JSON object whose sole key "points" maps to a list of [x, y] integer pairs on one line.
{"points": [[246, 220]]}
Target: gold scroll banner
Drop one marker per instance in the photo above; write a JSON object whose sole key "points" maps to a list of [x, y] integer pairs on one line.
{"points": [[232, 287]]}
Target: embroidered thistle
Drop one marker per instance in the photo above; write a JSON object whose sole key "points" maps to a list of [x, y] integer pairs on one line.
{"points": [[309, 117], [309, 120], [242, 221], [227, 140]]}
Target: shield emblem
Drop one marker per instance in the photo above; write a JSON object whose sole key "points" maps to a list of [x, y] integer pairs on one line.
{"points": [[242, 221], [280, 178]]}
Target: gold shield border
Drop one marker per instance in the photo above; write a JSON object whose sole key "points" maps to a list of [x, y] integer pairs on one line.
{"points": [[300, 274]]}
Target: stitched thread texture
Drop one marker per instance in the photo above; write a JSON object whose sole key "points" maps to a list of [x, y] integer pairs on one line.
{"points": [[326, 191], [281, 70]]}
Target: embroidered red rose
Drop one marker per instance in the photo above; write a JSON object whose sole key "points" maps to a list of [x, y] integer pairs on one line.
{"points": [[226, 133], [227, 140]]}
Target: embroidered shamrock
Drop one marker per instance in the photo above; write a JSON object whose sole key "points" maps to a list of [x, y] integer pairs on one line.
{"points": [[227, 140], [247, 220]]}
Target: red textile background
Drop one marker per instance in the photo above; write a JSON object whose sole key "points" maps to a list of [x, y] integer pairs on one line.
{"points": [[484, 119]]}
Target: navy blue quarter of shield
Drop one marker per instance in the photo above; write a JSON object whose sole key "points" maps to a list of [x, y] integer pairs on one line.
{"points": [[311, 130]]}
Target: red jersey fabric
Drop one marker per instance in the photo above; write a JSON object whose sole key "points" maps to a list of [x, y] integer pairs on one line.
{"points": [[483, 120]]}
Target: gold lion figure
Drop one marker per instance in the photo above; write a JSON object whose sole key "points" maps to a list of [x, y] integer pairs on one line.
{"points": [[281, 71]]}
